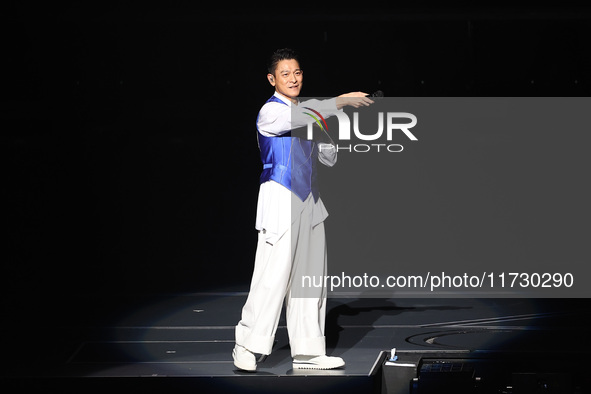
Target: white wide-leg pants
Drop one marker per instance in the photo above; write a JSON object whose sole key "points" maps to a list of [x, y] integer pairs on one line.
{"points": [[277, 276]]}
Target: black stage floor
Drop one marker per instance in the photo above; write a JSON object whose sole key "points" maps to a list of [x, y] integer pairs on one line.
{"points": [[182, 343]]}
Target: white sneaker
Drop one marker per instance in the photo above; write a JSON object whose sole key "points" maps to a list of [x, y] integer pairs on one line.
{"points": [[244, 359], [317, 362]]}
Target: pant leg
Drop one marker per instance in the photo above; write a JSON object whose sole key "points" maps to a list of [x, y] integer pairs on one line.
{"points": [[260, 314], [306, 306]]}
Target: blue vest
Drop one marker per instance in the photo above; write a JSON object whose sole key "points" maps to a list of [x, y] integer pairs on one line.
{"points": [[289, 161]]}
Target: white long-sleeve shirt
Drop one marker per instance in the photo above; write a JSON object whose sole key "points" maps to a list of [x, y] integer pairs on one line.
{"points": [[276, 204]]}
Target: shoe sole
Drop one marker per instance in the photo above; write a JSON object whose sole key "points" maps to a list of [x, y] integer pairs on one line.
{"points": [[244, 367], [316, 366]]}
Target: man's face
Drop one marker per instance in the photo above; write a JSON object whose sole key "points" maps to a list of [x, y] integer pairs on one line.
{"points": [[288, 78]]}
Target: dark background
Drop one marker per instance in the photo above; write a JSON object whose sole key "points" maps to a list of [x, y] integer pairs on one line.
{"points": [[129, 129]]}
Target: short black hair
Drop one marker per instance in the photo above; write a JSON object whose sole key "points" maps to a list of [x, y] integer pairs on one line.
{"points": [[279, 55]]}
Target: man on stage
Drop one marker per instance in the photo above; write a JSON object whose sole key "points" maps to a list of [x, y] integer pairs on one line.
{"points": [[290, 216]]}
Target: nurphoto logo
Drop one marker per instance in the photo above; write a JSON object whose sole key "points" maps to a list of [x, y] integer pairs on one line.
{"points": [[389, 125]]}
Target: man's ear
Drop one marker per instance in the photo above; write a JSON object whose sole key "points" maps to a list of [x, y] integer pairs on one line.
{"points": [[271, 79]]}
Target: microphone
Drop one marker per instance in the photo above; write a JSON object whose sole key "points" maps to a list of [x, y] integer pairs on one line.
{"points": [[376, 95]]}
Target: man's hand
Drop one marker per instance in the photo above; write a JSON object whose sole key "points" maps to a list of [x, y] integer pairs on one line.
{"points": [[353, 99]]}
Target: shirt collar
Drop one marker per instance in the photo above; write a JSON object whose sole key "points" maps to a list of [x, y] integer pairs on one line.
{"points": [[284, 99]]}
